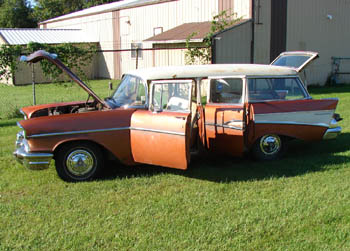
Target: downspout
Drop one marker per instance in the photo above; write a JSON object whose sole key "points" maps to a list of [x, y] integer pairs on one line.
{"points": [[252, 43], [213, 50]]}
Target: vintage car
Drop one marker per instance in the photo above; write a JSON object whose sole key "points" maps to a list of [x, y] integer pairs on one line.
{"points": [[160, 116]]}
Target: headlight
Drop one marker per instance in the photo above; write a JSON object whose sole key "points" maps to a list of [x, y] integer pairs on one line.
{"points": [[22, 142], [20, 139], [20, 135]]}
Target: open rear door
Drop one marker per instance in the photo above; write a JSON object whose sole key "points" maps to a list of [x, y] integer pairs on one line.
{"points": [[225, 116], [295, 59], [160, 135]]}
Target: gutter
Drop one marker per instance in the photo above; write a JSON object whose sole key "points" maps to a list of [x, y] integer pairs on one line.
{"points": [[252, 43]]}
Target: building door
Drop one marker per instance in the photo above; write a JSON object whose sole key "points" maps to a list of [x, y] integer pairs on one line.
{"points": [[278, 39]]}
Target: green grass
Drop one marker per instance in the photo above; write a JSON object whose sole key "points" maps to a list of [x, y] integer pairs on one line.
{"points": [[301, 202]]}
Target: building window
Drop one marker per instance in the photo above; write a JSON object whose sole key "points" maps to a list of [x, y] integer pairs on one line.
{"points": [[136, 49], [157, 31]]}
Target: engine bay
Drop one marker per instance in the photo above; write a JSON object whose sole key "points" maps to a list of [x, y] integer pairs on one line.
{"points": [[66, 109]]}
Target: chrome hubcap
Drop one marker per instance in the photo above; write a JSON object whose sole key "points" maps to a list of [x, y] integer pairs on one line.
{"points": [[270, 144], [80, 162]]}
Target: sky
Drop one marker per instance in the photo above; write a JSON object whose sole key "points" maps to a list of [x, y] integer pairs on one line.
{"points": [[32, 2]]}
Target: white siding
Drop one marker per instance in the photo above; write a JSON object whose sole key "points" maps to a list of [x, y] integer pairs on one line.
{"points": [[100, 27], [137, 24], [242, 8], [169, 57], [143, 20]]}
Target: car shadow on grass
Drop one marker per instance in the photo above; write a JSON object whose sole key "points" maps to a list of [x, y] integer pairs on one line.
{"points": [[301, 158]]}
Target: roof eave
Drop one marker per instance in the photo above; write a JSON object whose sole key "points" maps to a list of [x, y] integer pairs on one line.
{"points": [[118, 7], [239, 23], [199, 40]]}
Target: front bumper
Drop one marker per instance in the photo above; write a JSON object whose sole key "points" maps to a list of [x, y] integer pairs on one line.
{"points": [[32, 161]]}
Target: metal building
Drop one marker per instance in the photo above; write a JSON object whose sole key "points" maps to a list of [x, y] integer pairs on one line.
{"points": [[129, 24], [288, 25], [269, 27]]}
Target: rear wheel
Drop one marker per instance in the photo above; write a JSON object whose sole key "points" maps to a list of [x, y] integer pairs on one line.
{"points": [[79, 161], [269, 147]]}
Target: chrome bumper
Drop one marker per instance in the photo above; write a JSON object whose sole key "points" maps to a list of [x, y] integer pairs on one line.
{"points": [[32, 161], [332, 133]]}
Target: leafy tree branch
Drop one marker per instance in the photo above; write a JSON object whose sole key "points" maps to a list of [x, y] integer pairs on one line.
{"points": [[74, 56], [202, 53]]}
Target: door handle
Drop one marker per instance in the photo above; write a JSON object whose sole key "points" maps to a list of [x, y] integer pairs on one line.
{"points": [[232, 121], [178, 117]]}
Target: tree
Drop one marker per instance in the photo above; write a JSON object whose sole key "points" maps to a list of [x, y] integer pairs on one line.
{"points": [[47, 9], [202, 54], [74, 56], [16, 14]]}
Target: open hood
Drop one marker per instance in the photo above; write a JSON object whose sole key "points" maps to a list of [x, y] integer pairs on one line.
{"points": [[295, 59], [41, 54]]}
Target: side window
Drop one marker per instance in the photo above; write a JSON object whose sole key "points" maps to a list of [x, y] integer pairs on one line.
{"points": [[226, 90], [171, 96], [293, 90], [260, 89]]}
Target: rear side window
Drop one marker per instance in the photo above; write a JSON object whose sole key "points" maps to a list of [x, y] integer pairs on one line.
{"points": [[260, 89], [226, 90]]}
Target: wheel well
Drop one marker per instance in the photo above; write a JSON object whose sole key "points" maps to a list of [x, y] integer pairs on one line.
{"points": [[104, 151]]}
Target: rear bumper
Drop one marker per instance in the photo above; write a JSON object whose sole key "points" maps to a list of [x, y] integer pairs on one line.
{"points": [[332, 133]]}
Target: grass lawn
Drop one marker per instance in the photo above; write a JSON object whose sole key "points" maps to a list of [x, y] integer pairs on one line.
{"points": [[301, 202]]}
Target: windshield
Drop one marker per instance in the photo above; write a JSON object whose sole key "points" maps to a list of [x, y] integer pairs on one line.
{"points": [[130, 92]]}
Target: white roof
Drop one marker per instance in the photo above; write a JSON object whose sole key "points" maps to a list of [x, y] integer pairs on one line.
{"points": [[106, 8], [214, 70], [47, 36]]}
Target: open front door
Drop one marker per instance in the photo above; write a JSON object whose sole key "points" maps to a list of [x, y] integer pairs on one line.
{"points": [[160, 135], [295, 59], [225, 116]]}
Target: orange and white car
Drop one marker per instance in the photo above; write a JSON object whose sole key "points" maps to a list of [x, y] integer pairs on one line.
{"points": [[159, 116]]}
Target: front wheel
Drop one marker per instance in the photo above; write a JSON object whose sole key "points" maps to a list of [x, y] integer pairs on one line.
{"points": [[79, 161], [269, 147]]}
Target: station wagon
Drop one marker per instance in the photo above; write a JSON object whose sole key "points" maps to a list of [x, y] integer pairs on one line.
{"points": [[162, 115]]}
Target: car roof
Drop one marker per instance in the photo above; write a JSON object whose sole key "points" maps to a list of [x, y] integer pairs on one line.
{"points": [[217, 70]]}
